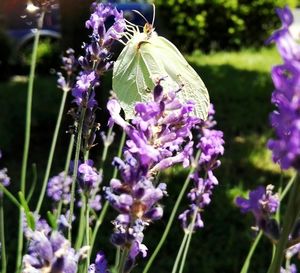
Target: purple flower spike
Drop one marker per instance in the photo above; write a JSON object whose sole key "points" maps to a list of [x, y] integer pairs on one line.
{"points": [[100, 265], [211, 145], [159, 136], [59, 188], [286, 118], [285, 16], [49, 253], [4, 178], [262, 203]]}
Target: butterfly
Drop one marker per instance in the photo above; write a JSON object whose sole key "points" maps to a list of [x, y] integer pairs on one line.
{"points": [[148, 57]]}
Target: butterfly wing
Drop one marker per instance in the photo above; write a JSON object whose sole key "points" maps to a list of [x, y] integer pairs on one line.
{"points": [[178, 70], [143, 61]]}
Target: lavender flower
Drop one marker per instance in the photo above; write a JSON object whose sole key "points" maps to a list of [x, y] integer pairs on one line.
{"points": [[58, 188], [96, 61], [291, 269], [69, 66], [262, 203], [97, 24], [89, 181], [211, 146], [286, 119], [100, 265], [159, 137], [4, 178], [50, 253], [41, 225], [160, 134]]}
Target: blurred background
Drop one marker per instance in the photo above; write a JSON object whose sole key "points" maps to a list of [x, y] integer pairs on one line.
{"points": [[224, 40]]}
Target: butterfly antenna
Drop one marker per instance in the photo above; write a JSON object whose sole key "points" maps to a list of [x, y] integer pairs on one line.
{"points": [[136, 27], [153, 17], [139, 13]]}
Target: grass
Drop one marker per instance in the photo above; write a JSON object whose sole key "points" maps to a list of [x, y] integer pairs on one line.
{"points": [[240, 87]]}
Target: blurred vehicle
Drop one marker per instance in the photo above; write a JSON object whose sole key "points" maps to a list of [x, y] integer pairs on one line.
{"points": [[19, 19]]}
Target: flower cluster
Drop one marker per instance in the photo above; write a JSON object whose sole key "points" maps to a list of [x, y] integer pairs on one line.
{"points": [[97, 53], [263, 204], [160, 134], [69, 66], [4, 178], [159, 137], [211, 146], [286, 119], [96, 61], [100, 265], [50, 253], [58, 188], [89, 181]]}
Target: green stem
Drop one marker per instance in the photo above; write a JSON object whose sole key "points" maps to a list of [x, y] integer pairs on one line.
{"points": [[51, 154], [29, 102], [172, 216], [106, 204], [20, 241], [75, 170], [27, 134], [187, 245], [250, 253], [33, 185], [2, 236], [290, 216], [98, 224], [180, 251], [105, 149], [117, 258], [66, 169], [123, 260], [122, 142], [81, 229], [10, 196], [87, 231]]}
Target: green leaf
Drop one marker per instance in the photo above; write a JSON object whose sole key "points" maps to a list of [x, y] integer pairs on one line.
{"points": [[29, 216], [52, 220]]}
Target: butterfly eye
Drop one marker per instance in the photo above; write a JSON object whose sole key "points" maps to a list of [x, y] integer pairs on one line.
{"points": [[148, 90]]}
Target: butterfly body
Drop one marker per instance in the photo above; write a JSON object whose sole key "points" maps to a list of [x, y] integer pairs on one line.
{"points": [[147, 58]]}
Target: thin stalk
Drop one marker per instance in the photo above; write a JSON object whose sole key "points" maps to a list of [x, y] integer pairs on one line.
{"points": [[180, 251], [66, 169], [27, 134], [10, 196], [187, 245], [288, 186], [172, 216], [98, 224], [75, 170], [106, 204], [250, 253], [20, 241], [33, 185], [105, 149], [117, 257], [2, 236], [288, 222], [29, 101], [123, 261], [87, 230], [81, 229], [51, 153], [122, 142]]}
